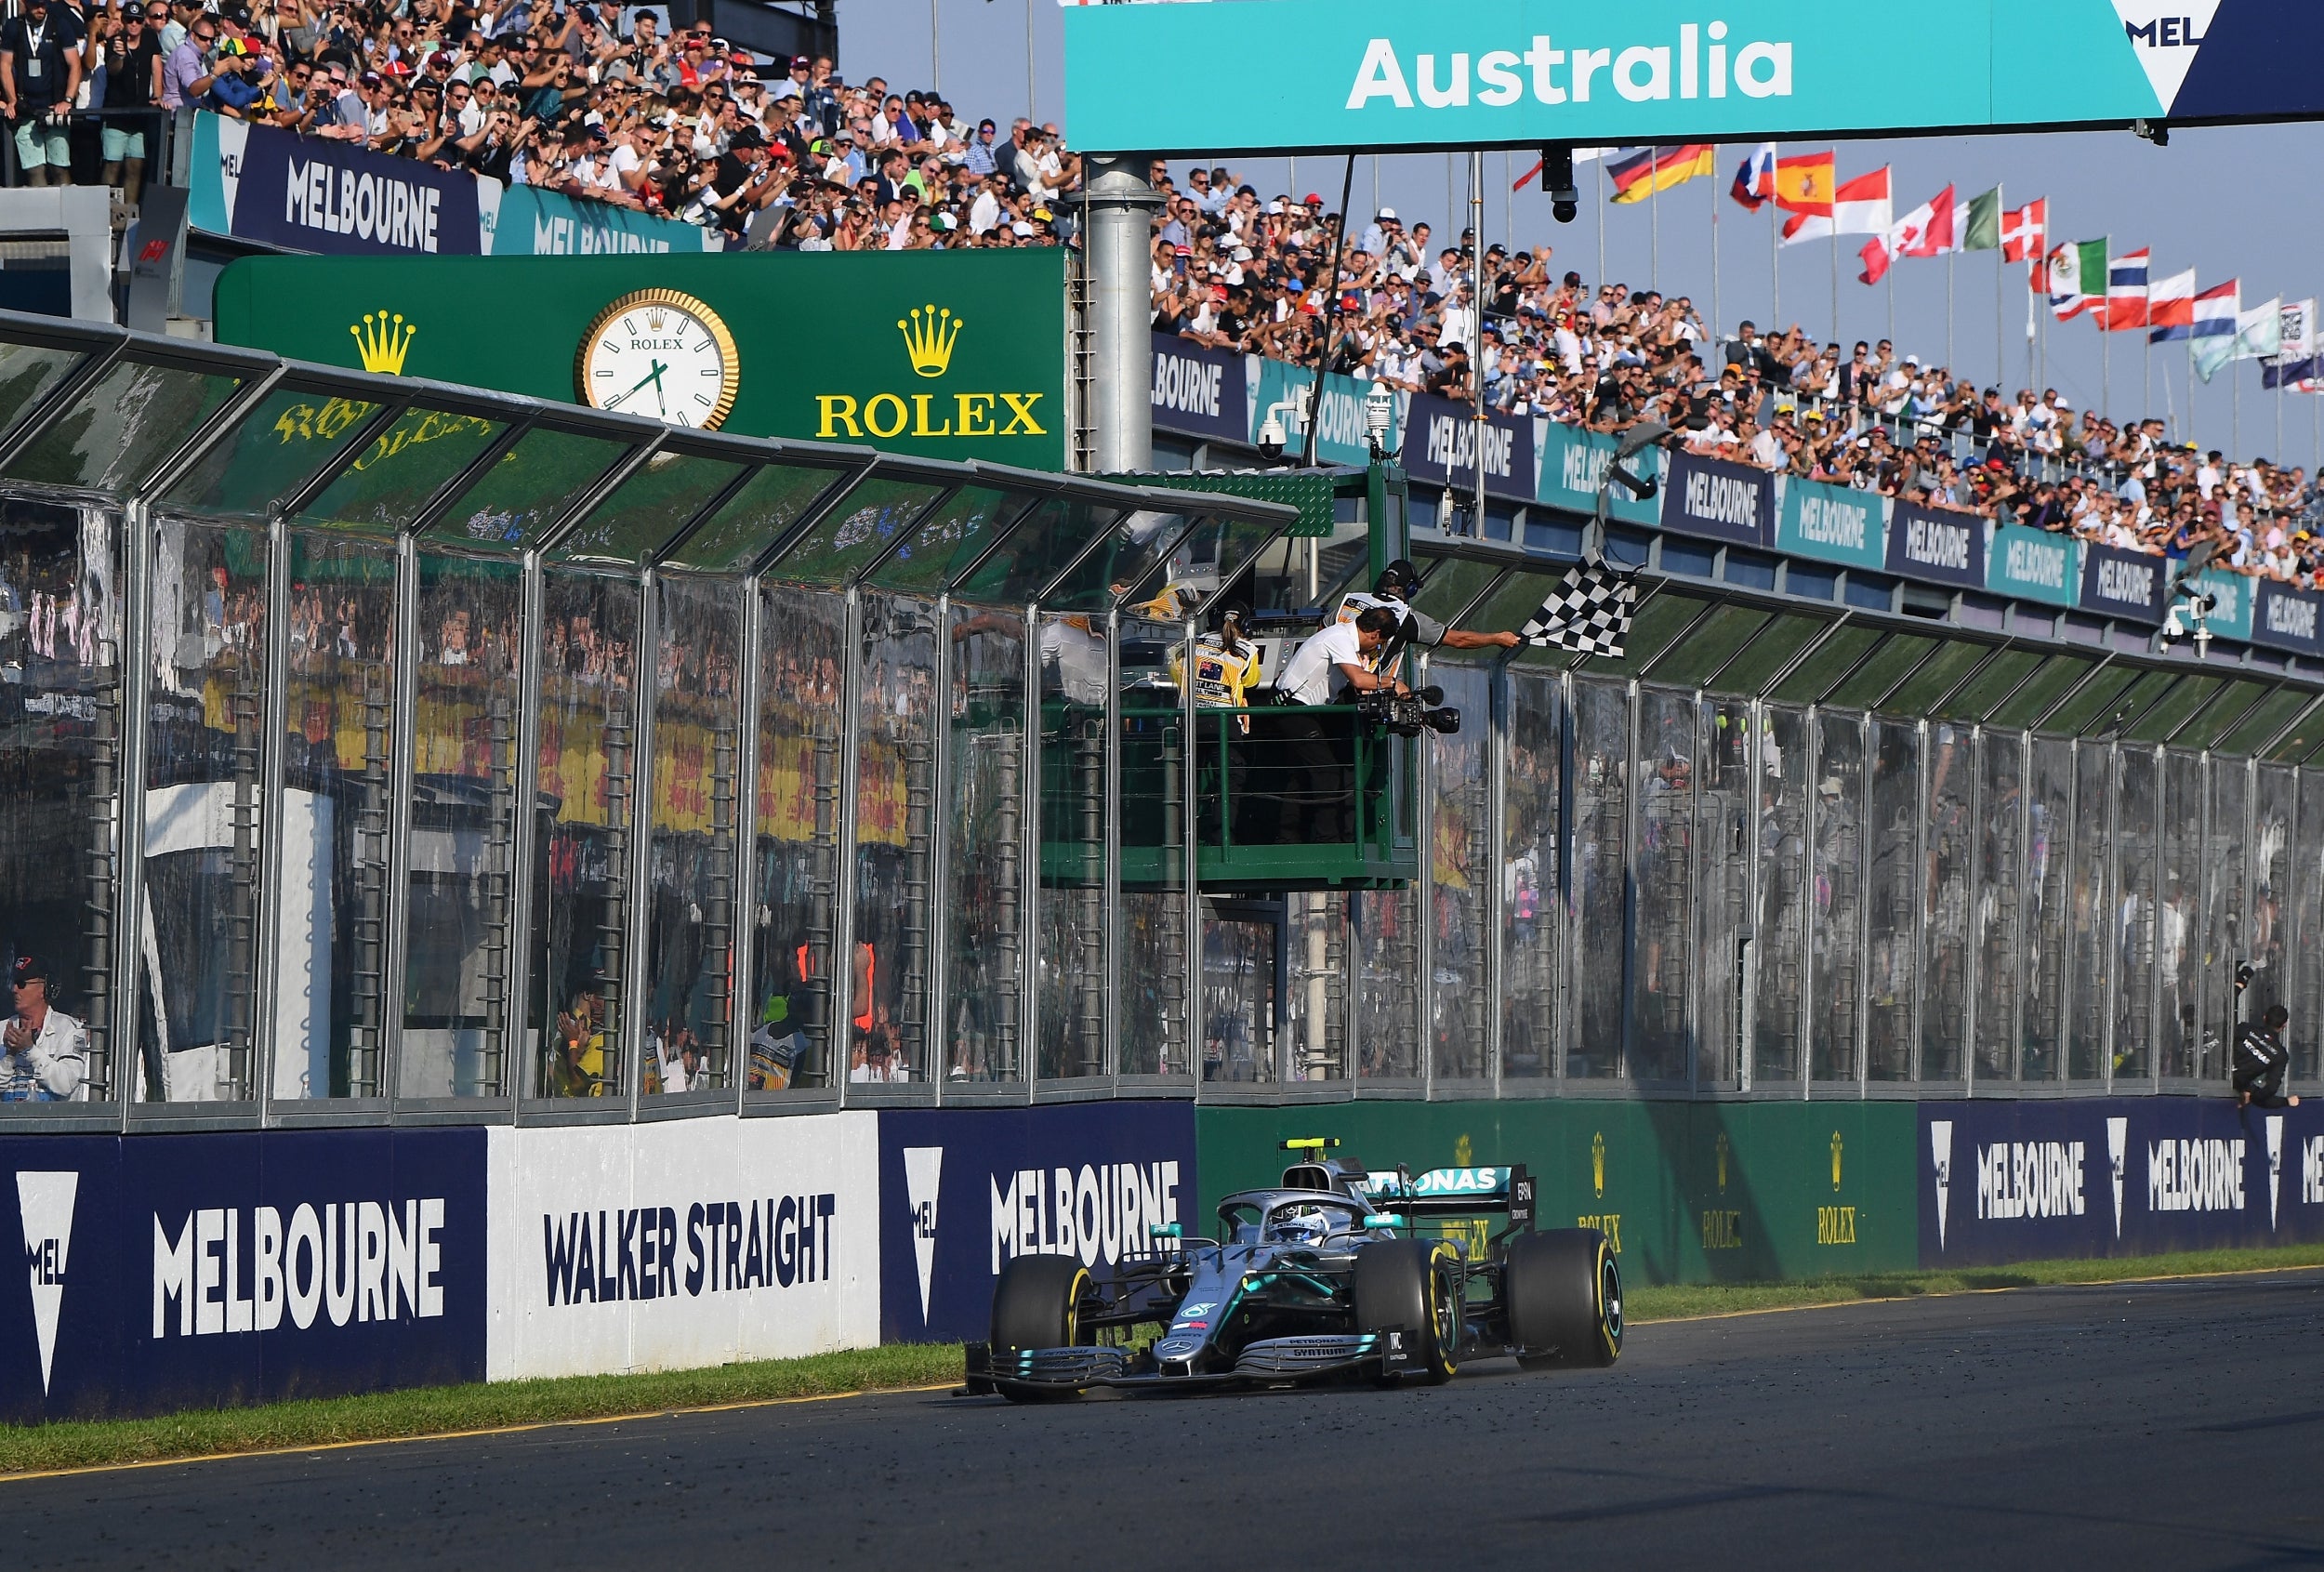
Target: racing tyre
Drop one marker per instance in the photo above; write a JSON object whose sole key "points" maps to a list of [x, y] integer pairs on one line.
{"points": [[1038, 1304], [1563, 1290], [1409, 1286]]}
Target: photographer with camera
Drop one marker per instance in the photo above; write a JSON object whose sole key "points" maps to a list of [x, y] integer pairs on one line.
{"points": [[1311, 755], [40, 72]]}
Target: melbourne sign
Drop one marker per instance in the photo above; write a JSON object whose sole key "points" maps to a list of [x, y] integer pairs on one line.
{"points": [[1832, 523], [1443, 441], [274, 187], [2033, 565], [1201, 391], [1710, 496], [1937, 544], [2131, 585], [832, 348], [1382, 73]]}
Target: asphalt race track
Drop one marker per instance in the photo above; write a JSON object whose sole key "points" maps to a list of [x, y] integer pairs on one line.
{"points": [[2177, 1425]]}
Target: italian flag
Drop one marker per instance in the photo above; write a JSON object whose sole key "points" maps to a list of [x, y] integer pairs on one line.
{"points": [[2078, 279]]}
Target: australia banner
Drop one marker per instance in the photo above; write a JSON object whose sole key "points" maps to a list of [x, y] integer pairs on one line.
{"points": [[1710, 496], [277, 188]]}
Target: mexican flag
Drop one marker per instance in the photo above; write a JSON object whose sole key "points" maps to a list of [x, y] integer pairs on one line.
{"points": [[2077, 278]]}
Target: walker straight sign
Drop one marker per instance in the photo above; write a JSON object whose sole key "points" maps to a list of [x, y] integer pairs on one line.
{"points": [[1384, 73]]}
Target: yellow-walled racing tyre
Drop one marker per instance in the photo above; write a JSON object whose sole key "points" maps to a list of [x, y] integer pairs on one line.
{"points": [[1037, 1303], [1564, 1289], [1411, 1286]]}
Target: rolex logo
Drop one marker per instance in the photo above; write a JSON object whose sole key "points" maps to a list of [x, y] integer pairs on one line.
{"points": [[1597, 1162], [653, 320], [930, 337], [382, 341], [1836, 1149]]}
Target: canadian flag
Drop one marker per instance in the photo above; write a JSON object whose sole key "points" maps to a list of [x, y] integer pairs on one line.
{"points": [[1927, 231]]}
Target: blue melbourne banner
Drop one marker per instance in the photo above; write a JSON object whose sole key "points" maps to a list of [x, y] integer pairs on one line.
{"points": [[1340, 421], [277, 188], [1200, 392], [2130, 584], [964, 1191], [1441, 441], [528, 221], [1937, 545], [1573, 465], [1725, 501], [2035, 1180], [2230, 613], [1832, 524], [170, 1272], [2285, 618], [1383, 74], [2033, 565]]}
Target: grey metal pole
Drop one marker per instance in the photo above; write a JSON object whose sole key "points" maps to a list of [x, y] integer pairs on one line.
{"points": [[1476, 329], [1121, 311]]}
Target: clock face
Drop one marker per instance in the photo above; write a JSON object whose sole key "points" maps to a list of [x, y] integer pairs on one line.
{"points": [[659, 354]]}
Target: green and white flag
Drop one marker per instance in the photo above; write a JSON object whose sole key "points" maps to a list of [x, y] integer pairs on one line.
{"points": [[1981, 225], [2078, 279]]}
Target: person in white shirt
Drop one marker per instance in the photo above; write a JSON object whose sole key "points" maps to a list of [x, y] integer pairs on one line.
{"points": [[43, 1052], [1314, 792]]}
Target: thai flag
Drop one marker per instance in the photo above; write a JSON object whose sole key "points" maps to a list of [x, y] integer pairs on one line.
{"points": [[2126, 293], [1755, 181]]}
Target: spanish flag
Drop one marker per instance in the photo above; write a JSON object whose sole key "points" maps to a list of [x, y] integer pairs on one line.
{"points": [[1804, 183], [1639, 175]]}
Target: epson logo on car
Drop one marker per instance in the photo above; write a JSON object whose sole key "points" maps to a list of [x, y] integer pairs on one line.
{"points": [[1099, 1211]]}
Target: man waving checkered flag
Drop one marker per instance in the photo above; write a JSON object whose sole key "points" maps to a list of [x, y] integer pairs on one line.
{"points": [[1588, 611]]}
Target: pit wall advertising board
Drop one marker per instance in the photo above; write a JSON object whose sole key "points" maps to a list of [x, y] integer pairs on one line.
{"points": [[968, 1190], [694, 1242], [1719, 500], [1380, 75], [2002, 1182], [170, 1272], [1443, 441], [952, 355]]}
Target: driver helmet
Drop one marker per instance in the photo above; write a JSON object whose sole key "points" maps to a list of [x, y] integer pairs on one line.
{"points": [[1398, 580], [1303, 1226]]}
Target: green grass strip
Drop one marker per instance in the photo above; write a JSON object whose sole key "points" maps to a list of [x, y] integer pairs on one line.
{"points": [[444, 1410]]}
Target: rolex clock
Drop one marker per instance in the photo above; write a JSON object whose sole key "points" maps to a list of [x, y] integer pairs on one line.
{"points": [[659, 354]]}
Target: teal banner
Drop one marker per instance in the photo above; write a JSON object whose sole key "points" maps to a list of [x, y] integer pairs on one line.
{"points": [[2034, 565], [2231, 596], [1832, 524], [533, 222], [1574, 461], [1381, 74], [1338, 420]]}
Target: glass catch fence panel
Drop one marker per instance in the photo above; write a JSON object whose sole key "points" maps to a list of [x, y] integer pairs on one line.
{"points": [[1723, 904], [2050, 895], [290, 437], [459, 939], [1892, 885], [1778, 765], [1531, 876], [2274, 807], [2224, 946], [586, 819], [60, 691], [2091, 920], [28, 373], [696, 796], [1997, 918], [1240, 1042], [118, 432], [987, 810], [2306, 1002], [1662, 866], [1598, 875], [1317, 934], [337, 806], [2135, 935], [895, 782], [1388, 971], [802, 654], [1069, 948], [650, 509], [1836, 902], [1150, 920], [200, 948], [1460, 862], [1945, 897], [399, 471], [2178, 917]]}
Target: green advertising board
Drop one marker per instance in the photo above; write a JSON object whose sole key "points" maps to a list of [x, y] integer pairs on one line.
{"points": [[949, 354], [1685, 1192]]}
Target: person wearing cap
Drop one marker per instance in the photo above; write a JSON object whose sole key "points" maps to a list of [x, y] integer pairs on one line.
{"points": [[1393, 589], [43, 1052]]}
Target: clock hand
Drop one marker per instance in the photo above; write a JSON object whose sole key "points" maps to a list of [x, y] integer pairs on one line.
{"points": [[661, 398], [654, 376]]}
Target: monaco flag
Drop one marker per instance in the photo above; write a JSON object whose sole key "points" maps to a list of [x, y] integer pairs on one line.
{"points": [[1860, 206]]}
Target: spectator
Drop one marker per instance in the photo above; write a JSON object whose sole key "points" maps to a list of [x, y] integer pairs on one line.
{"points": [[40, 72]]}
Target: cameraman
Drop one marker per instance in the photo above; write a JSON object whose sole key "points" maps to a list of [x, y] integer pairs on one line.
{"points": [[1313, 758], [1393, 589]]}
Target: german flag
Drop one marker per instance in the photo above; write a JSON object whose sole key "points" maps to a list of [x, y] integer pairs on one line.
{"points": [[1639, 175]]}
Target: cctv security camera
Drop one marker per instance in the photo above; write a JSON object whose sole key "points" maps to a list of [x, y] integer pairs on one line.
{"points": [[1271, 438]]}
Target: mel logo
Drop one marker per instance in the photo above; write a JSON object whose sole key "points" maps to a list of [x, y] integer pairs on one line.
{"points": [[2166, 34], [2118, 1141], [45, 1203], [1941, 1152], [923, 1174]]}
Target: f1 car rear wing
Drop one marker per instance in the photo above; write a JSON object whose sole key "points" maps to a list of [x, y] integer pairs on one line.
{"points": [[1455, 1192]]}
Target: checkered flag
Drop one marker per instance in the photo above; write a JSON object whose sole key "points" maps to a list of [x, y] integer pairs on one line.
{"points": [[1588, 611]]}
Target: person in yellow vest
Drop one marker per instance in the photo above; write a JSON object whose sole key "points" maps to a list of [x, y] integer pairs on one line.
{"points": [[577, 1067], [1226, 669]]}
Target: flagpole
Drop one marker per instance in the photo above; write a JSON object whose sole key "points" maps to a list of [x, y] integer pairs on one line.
{"points": [[1835, 285], [1598, 164], [1477, 312], [2105, 366], [1714, 265], [1949, 257], [1775, 253], [2000, 292], [1654, 218]]}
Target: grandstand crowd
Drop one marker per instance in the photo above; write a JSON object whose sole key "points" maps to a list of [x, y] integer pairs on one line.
{"points": [[610, 103]]}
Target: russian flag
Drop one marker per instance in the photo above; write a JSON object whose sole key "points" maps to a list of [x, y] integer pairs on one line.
{"points": [[2126, 293], [2171, 307], [1755, 181]]}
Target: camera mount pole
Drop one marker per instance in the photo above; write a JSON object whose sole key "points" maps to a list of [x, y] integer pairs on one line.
{"points": [[1331, 320]]}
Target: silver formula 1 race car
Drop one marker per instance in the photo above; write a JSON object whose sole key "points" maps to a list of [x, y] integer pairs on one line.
{"points": [[1325, 1276]]}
